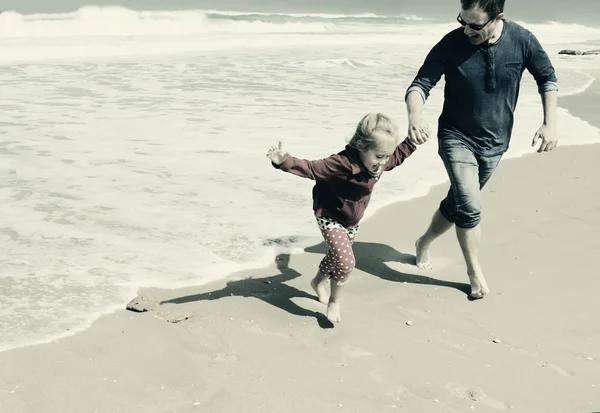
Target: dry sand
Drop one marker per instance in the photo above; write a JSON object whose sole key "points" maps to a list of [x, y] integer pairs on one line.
{"points": [[259, 341]]}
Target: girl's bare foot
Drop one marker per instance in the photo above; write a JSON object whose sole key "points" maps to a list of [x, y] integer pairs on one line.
{"points": [[333, 312], [423, 262], [479, 287], [333, 308], [320, 286]]}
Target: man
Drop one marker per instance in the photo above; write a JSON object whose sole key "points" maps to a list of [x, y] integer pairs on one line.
{"points": [[482, 63]]}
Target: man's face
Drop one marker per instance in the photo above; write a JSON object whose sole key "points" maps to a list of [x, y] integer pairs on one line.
{"points": [[476, 16]]}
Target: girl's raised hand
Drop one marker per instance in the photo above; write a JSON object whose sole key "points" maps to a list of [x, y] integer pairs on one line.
{"points": [[276, 154]]}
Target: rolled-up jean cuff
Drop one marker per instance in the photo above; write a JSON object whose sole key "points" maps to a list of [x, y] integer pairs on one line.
{"points": [[445, 213], [468, 225], [472, 223]]}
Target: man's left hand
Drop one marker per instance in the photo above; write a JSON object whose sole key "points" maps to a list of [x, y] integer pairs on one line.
{"points": [[548, 136]]}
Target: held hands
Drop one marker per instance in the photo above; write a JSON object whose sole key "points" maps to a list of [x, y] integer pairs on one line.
{"points": [[548, 136], [277, 155], [418, 131]]}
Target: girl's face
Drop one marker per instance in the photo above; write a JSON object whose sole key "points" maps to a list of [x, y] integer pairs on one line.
{"points": [[375, 158]]}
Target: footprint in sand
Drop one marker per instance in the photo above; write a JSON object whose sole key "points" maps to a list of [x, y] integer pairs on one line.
{"points": [[375, 368], [556, 368], [355, 352], [395, 391], [522, 352], [255, 328], [475, 394], [225, 357]]}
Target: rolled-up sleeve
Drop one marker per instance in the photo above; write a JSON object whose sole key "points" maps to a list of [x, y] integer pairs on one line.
{"points": [[540, 66], [430, 72]]}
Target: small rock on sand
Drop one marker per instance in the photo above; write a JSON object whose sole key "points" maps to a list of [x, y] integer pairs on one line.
{"points": [[141, 303], [178, 318]]}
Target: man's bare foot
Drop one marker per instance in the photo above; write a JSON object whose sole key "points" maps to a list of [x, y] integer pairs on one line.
{"points": [[479, 287], [333, 312], [320, 288], [423, 262]]}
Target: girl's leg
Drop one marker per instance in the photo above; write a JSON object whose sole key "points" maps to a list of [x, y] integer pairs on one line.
{"points": [[319, 284], [321, 280], [333, 307], [336, 265]]}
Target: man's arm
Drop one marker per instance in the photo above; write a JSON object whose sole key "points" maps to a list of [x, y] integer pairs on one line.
{"points": [[549, 103], [414, 104], [417, 131], [431, 71], [539, 65], [417, 93], [547, 132]]}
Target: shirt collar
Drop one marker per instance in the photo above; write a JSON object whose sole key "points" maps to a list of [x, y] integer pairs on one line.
{"points": [[354, 158]]}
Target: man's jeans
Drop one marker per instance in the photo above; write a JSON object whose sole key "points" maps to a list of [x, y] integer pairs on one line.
{"points": [[468, 173]]}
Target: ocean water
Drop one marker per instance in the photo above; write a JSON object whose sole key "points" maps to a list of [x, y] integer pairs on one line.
{"points": [[533, 11], [133, 142]]}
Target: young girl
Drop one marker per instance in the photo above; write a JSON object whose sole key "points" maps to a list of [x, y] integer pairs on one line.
{"points": [[344, 183]]}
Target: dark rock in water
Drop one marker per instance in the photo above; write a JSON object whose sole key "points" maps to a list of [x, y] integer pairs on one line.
{"points": [[571, 52], [141, 303], [579, 52]]}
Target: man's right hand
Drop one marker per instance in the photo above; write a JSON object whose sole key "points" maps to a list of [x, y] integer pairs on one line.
{"points": [[418, 131]]}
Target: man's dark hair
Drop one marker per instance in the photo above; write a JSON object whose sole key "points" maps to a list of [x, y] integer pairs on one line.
{"points": [[492, 7]]}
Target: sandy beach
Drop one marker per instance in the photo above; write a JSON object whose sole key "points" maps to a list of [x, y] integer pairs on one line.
{"points": [[409, 340]]}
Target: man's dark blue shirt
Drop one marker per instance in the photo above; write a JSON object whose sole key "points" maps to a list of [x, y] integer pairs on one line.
{"points": [[482, 84]]}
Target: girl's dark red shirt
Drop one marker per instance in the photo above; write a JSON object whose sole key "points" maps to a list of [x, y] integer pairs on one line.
{"points": [[343, 186]]}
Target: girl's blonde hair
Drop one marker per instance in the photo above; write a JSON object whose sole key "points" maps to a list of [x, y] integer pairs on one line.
{"points": [[370, 126]]}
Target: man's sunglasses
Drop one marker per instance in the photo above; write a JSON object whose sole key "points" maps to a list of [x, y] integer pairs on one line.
{"points": [[473, 26]]}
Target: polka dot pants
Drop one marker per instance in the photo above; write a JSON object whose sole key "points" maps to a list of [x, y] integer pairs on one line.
{"points": [[339, 261]]}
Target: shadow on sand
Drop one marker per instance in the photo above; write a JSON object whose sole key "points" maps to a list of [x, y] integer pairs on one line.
{"points": [[271, 290], [371, 258]]}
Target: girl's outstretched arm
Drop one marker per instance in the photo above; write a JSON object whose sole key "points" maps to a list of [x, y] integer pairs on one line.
{"points": [[276, 154], [316, 170], [403, 151]]}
